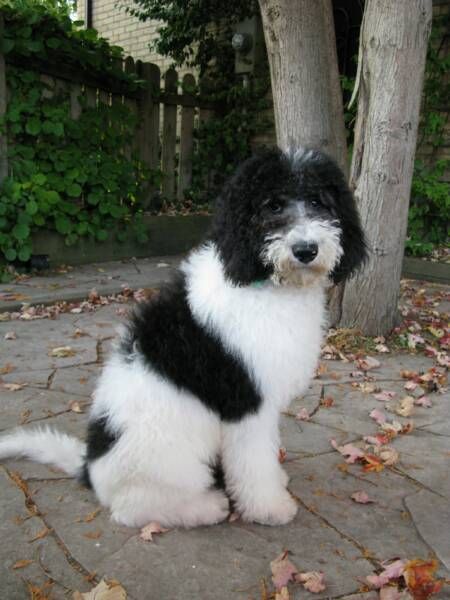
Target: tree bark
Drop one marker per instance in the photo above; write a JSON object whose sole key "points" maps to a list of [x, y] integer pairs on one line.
{"points": [[393, 45], [301, 47]]}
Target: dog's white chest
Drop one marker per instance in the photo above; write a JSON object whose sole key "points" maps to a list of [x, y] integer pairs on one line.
{"points": [[275, 331]]}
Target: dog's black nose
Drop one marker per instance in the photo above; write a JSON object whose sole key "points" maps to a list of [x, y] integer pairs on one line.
{"points": [[305, 252]]}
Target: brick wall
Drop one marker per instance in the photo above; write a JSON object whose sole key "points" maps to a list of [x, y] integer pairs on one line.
{"points": [[125, 30]]}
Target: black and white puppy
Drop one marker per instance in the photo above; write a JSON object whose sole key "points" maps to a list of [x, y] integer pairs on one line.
{"points": [[201, 372]]}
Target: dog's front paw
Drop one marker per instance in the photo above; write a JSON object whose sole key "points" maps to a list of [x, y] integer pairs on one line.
{"points": [[276, 510]]}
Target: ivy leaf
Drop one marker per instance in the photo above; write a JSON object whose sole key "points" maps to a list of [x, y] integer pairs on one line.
{"points": [[31, 207], [24, 253], [102, 235], [6, 45], [74, 190], [33, 126], [21, 231], [39, 179], [10, 254], [63, 225]]}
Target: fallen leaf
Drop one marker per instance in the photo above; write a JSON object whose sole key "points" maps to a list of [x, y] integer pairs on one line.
{"points": [[91, 516], [410, 386], [361, 498], [406, 407], [385, 395], [312, 581], [62, 352], [283, 570], [350, 452], [388, 455], [282, 455], [418, 575], [20, 564], [393, 571], [423, 401], [111, 590], [302, 415], [283, 594], [8, 368], [393, 427], [14, 387], [93, 535], [76, 407], [373, 463], [382, 348], [390, 592], [234, 516], [327, 402], [367, 363], [366, 387], [150, 529], [10, 335], [378, 416], [41, 534]]}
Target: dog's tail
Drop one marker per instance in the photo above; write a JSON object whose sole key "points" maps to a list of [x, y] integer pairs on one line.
{"points": [[45, 446]]}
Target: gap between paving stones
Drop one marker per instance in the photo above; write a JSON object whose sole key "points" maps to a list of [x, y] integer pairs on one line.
{"points": [[33, 508], [365, 553]]}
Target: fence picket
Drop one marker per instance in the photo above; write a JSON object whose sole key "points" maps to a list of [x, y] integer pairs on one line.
{"points": [[169, 137], [148, 125], [186, 139]]}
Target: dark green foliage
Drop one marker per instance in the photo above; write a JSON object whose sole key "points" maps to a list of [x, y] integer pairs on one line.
{"points": [[72, 176], [429, 213]]}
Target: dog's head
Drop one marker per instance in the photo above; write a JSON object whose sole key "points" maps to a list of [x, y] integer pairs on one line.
{"points": [[288, 217]]}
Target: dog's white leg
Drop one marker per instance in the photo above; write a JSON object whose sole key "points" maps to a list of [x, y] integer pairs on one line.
{"points": [[138, 505], [253, 474]]}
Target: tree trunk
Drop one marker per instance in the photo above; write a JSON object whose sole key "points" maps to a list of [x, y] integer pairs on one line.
{"points": [[393, 45], [307, 98]]}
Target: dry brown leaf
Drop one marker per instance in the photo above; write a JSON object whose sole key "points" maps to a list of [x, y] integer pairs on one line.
{"points": [[91, 516], [282, 455], [312, 581], [327, 402], [349, 451], [302, 415], [8, 368], [20, 564], [14, 387], [10, 335], [149, 530], [62, 352], [111, 590], [361, 498], [388, 455], [367, 363], [40, 535], [76, 407], [283, 594], [283, 570], [393, 571], [419, 578], [406, 407], [93, 535], [234, 516]]}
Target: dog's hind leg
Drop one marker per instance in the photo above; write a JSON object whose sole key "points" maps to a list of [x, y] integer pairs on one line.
{"points": [[138, 505]]}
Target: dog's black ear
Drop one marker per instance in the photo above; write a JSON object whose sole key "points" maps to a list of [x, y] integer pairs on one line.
{"points": [[236, 229], [353, 240]]}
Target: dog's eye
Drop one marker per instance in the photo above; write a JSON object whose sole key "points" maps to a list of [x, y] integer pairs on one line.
{"points": [[275, 207]]}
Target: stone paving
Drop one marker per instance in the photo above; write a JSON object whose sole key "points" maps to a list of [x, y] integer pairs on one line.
{"points": [[51, 521]]}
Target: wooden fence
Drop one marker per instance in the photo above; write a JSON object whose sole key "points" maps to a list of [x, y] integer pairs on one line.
{"points": [[162, 135]]}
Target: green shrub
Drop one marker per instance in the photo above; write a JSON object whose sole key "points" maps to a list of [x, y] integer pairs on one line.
{"points": [[72, 176]]}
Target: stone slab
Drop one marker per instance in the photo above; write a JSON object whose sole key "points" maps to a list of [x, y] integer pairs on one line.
{"points": [[431, 516]]}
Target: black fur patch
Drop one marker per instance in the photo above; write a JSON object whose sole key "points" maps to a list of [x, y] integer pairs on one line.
{"points": [[98, 441], [172, 343]]}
